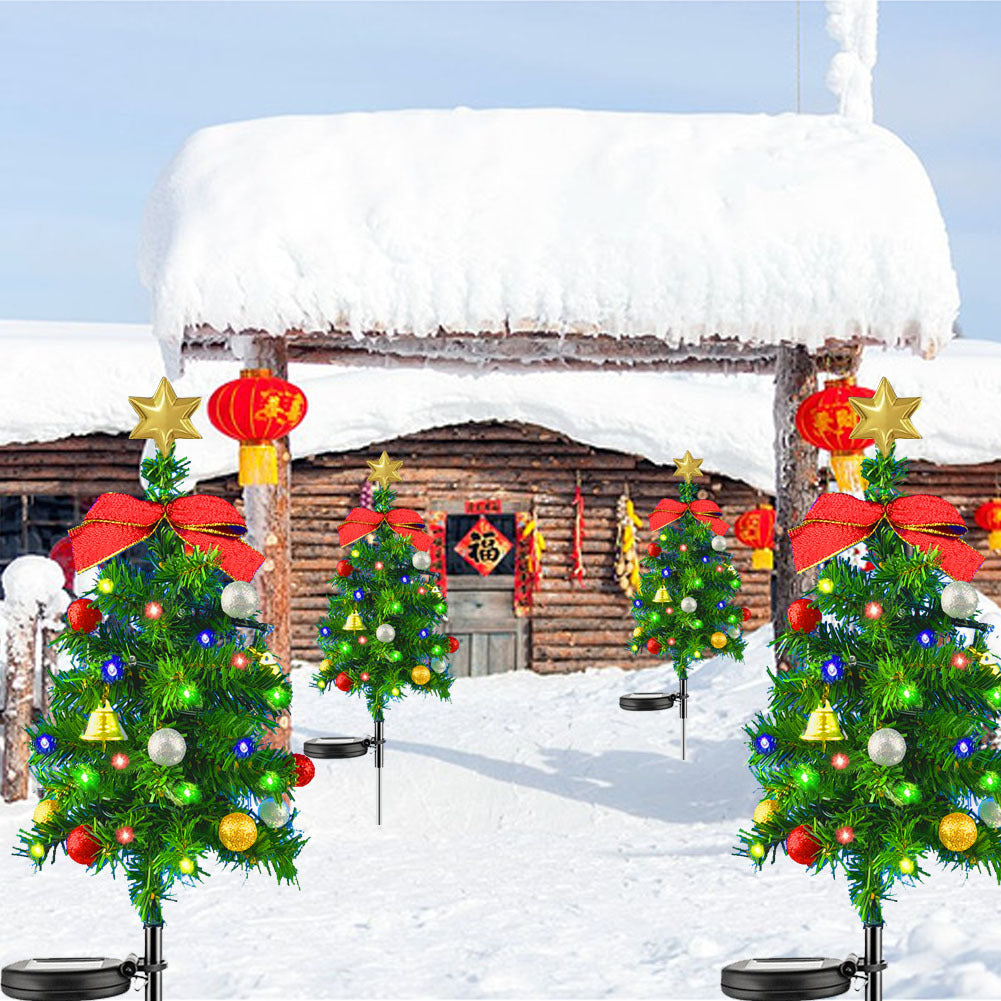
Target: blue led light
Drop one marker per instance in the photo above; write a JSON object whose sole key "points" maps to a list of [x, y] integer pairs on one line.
{"points": [[926, 638], [705, 559], [963, 748], [424, 634], [359, 594], [765, 743], [206, 637], [324, 630], [833, 669], [45, 743], [721, 604], [637, 603], [243, 748], [666, 572], [111, 669], [405, 579]]}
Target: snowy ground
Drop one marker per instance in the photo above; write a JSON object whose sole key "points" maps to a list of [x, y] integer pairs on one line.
{"points": [[538, 842]]}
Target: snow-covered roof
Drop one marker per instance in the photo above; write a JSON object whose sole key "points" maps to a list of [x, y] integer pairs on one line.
{"points": [[796, 228], [63, 379]]}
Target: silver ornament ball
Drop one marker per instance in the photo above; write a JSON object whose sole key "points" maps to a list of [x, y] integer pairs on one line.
{"points": [[990, 813], [239, 599], [887, 747], [959, 599], [421, 561], [166, 747], [273, 813], [689, 604], [733, 632], [439, 666], [385, 633], [718, 543]]}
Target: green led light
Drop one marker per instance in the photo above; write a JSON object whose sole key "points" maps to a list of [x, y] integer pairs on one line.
{"points": [[908, 793], [441, 608], [697, 582], [186, 865], [279, 697], [188, 793], [906, 865], [85, 777], [396, 607], [37, 850], [697, 623], [757, 850], [655, 616], [989, 781], [344, 647], [806, 777], [269, 781], [995, 696], [395, 655], [909, 694], [189, 694], [436, 651]]}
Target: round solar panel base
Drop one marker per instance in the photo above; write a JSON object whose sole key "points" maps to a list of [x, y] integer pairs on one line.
{"points": [[65, 979], [644, 702], [785, 979], [336, 747]]}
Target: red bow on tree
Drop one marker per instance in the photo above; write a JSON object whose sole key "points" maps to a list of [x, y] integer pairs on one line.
{"points": [[706, 511], [116, 522], [401, 520], [838, 521]]}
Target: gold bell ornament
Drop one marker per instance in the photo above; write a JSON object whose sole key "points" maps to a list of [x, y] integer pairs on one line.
{"points": [[103, 725], [823, 724], [662, 597], [353, 624]]}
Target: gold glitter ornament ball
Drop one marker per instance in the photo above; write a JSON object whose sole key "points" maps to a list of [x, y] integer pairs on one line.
{"points": [[765, 810], [420, 675], [718, 640], [45, 811], [237, 832], [957, 831]]}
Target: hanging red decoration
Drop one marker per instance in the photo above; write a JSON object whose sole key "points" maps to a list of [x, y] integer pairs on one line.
{"points": [[803, 616], [826, 420], [343, 681], [577, 570], [802, 845], [83, 616], [304, 770], [530, 545], [756, 528], [436, 522], [256, 409], [82, 846], [988, 517]]}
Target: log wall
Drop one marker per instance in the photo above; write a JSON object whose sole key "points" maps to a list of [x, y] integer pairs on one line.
{"points": [[80, 466]]}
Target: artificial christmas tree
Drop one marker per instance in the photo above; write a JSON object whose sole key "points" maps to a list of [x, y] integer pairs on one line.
{"points": [[871, 756], [152, 759], [381, 637], [684, 608]]}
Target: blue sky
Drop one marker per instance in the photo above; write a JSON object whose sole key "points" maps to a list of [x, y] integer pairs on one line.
{"points": [[95, 98]]}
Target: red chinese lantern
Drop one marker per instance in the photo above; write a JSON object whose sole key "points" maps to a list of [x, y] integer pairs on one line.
{"points": [[757, 529], [988, 517], [826, 420], [256, 409]]}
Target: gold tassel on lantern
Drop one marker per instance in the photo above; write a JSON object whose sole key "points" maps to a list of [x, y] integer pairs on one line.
{"points": [[847, 469], [353, 623], [823, 724], [258, 464], [762, 559], [103, 725]]}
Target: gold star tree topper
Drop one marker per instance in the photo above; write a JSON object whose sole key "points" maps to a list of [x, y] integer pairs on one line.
{"points": [[886, 416], [688, 467], [164, 416], [384, 470]]}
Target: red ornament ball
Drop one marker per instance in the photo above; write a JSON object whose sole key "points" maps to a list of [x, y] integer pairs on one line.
{"points": [[83, 616], [119, 761], [873, 610], [652, 645], [304, 770], [845, 835], [125, 835], [803, 616], [344, 568], [840, 761], [653, 549], [238, 660], [153, 610], [364, 676], [746, 612], [802, 846], [960, 662], [343, 682], [453, 644], [82, 846]]}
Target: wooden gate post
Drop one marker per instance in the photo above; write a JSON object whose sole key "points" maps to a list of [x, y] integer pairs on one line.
{"points": [[796, 481], [268, 511], [18, 704]]}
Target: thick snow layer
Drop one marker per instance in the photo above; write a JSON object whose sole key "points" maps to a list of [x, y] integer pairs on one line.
{"points": [[45, 398], [32, 583], [765, 228], [537, 843]]}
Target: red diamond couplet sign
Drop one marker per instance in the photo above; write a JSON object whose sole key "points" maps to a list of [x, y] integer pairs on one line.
{"points": [[483, 546]]}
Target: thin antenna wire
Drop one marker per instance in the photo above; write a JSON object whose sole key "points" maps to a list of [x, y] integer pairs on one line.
{"points": [[799, 95]]}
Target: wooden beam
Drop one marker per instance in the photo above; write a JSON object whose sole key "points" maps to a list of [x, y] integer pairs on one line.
{"points": [[796, 480], [269, 527]]}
